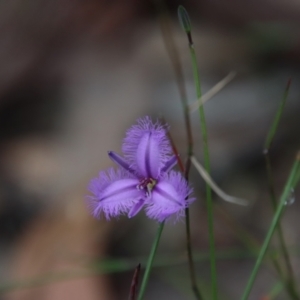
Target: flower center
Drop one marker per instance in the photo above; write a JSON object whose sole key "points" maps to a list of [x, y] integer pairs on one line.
{"points": [[147, 184]]}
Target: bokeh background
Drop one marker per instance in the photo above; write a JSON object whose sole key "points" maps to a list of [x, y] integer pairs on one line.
{"points": [[74, 75]]}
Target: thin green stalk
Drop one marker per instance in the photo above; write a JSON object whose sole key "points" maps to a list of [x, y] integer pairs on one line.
{"points": [[186, 25], [274, 126], [150, 261], [276, 218], [174, 57], [290, 280], [297, 178], [191, 263]]}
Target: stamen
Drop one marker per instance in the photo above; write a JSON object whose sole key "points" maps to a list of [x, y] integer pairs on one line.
{"points": [[148, 185]]}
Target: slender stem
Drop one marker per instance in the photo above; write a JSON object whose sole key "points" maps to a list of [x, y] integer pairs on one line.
{"points": [[275, 123], [150, 261], [276, 218], [173, 54], [290, 280], [191, 263], [207, 167], [297, 177]]}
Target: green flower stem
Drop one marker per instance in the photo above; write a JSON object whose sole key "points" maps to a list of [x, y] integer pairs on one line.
{"points": [[150, 261], [173, 54], [191, 263], [209, 204], [275, 123], [297, 177], [276, 218], [290, 280]]}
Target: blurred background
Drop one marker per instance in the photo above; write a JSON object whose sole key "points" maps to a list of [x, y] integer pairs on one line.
{"points": [[74, 75]]}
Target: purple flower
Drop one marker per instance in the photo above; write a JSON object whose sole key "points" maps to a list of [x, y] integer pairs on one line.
{"points": [[144, 178]]}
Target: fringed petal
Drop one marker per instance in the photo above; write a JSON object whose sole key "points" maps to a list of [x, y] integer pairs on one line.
{"points": [[141, 132], [114, 193], [169, 197], [147, 156]]}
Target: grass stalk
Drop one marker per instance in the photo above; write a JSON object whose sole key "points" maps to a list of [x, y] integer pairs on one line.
{"points": [[191, 262], [150, 261], [274, 223], [186, 25], [275, 123], [174, 57], [290, 280]]}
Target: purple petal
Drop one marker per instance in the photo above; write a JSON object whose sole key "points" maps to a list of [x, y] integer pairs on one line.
{"points": [[169, 197], [134, 136], [147, 156], [120, 161], [136, 208], [114, 193], [169, 164]]}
